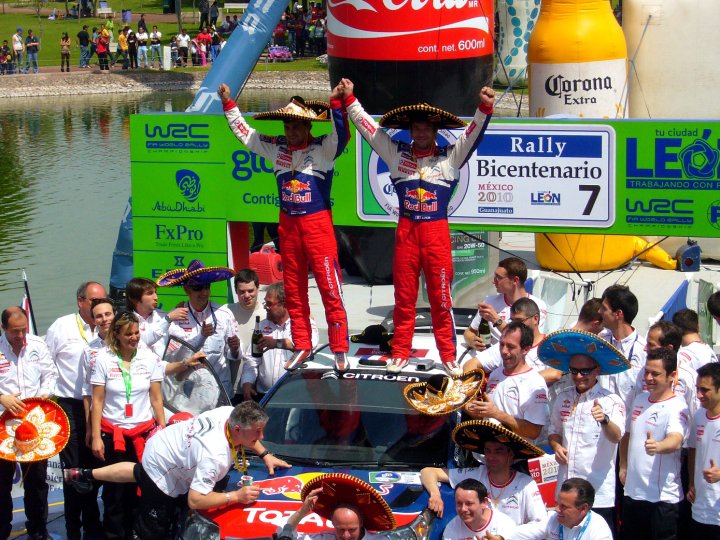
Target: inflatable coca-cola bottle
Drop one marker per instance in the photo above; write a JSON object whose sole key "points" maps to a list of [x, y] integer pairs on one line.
{"points": [[399, 52]]}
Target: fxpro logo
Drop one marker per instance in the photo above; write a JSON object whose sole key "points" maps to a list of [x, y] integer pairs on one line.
{"points": [[545, 198], [177, 136], [666, 211]]}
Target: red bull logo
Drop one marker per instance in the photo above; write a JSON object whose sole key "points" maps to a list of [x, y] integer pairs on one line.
{"points": [[295, 191], [282, 485], [423, 198]]}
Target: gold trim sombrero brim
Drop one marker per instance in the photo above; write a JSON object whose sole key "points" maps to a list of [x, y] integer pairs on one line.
{"points": [[401, 117], [456, 393], [195, 274], [559, 347], [473, 435], [52, 426], [340, 488], [298, 109]]}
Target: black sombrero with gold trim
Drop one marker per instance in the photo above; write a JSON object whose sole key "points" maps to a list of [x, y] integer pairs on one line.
{"points": [[559, 347], [299, 109], [442, 394], [195, 274], [401, 117], [473, 435], [340, 488]]}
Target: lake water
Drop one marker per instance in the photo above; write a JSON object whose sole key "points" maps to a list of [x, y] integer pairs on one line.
{"points": [[64, 186]]}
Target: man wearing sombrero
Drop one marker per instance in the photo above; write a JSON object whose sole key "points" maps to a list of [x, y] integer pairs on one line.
{"points": [[206, 326], [424, 176], [304, 167], [587, 421], [29, 433], [513, 493], [353, 506]]}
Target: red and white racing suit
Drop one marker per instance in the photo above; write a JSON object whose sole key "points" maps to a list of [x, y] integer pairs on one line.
{"points": [[304, 178], [424, 185]]}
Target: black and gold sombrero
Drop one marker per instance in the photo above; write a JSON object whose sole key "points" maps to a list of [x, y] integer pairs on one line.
{"points": [[195, 274], [299, 109], [401, 117], [559, 347], [340, 488], [442, 394], [473, 435]]}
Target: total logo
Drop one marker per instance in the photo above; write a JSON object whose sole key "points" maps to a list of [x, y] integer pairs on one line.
{"points": [[545, 198], [383, 189]]}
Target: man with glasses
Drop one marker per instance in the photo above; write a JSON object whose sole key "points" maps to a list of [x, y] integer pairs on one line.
{"points": [[586, 420], [67, 339], [260, 374], [509, 280]]}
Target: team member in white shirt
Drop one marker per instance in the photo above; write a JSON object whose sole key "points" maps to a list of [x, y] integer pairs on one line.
{"points": [[513, 493], [517, 393], [247, 288], [509, 280], [67, 339], [189, 458], [475, 519], [573, 518], [207, 327], [704, 456], [586, 420], [259, 374], [650, 454], [694, 350], [26, 370], [618, 310], [127, 405]]}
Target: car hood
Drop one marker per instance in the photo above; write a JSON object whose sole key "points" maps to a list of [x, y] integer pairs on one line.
{"points": [[280, 497]]}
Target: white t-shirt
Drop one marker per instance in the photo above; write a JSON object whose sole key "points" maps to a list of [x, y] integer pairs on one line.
{"points": [[705, 439], [655, 478], [684, 386], [522, 395], [193, 454], [697, 354], [18, 42], [623, 383], [591, 455], [142, 38], [498, 523], [593, 527], [183, 40], [245, 319], [89, 357], [519, 499], [66, 339], [154, 331], [144, 369], [502, 308], [31, 373]]}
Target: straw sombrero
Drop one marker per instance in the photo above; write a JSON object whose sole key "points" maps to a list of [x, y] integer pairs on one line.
{"points": [[299, 109], [473, 435], [559, 347], [401, 117], [340, 488], [442, 394], [40, 433], [195, 274]]}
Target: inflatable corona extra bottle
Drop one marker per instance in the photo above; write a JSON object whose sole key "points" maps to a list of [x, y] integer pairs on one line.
{"points": [[399, 52], [577, 61]]}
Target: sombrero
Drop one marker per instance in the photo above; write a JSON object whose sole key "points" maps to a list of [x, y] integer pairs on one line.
{"points": [[401, 117], [473, 435], [40, 433], [340, 488], [195, 274], [299, 109], [442, 394], [375, 334], [558, 347]]}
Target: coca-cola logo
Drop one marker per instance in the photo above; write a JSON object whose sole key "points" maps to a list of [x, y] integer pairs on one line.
{"points": [[410, 29]]}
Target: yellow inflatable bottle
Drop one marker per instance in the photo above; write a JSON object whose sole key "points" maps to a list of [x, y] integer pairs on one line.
{"points": [[577, 61]]}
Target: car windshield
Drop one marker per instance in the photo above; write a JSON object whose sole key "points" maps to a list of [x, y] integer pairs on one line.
{"points": [[361, 419]]}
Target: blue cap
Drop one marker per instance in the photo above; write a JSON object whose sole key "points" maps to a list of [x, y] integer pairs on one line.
{"points": [[19, 28]]}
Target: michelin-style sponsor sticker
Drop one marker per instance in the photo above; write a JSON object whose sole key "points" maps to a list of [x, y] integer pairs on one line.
{"points": [[392, 477]]}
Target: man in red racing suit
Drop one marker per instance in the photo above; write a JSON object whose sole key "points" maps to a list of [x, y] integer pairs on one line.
{"points": [[304, 167], [424, 176]]}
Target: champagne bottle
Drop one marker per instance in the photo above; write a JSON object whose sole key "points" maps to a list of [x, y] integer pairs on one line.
{"points": [[255, 341], [484, 332]]}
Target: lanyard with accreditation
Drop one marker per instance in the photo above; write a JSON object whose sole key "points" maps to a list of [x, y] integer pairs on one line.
{"points": [[127, 379]]}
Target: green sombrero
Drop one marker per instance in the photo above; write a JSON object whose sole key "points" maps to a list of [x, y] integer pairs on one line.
{"points": [[559, 347], [473, 435], [402, 117]]}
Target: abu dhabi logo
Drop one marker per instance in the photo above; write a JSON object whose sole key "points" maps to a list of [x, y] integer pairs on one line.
{"points": [[189, 183]]}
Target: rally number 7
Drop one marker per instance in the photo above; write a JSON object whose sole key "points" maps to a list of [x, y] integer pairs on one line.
{"points": [[594, 192]]}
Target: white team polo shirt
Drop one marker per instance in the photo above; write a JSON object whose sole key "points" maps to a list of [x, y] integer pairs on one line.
{"points": [[498, 523], [66, 339], [31, 373], [705, 439], [502, 308]]}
